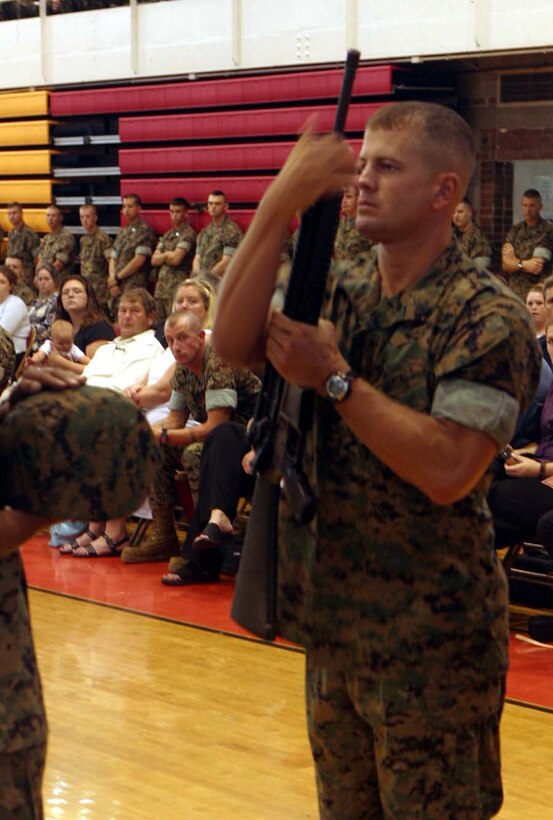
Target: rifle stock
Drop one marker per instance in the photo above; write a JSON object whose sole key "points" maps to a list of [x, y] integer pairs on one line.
{"points": [[284, 414]]}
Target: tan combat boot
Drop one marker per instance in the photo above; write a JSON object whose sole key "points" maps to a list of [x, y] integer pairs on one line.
{"points": [[160, 545]]}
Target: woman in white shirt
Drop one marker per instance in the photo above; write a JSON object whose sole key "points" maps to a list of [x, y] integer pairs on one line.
{"points": [[14, 316]]}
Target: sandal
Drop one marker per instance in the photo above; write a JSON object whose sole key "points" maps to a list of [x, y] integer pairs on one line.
{"points": [[115, 547], [212, 536], [67, 549], [188, 575]]}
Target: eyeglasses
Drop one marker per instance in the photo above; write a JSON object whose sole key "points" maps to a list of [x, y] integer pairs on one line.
{"points": [[72, 291]]}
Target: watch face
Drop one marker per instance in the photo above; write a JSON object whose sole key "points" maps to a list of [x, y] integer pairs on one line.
{"points": [[337, 387]]}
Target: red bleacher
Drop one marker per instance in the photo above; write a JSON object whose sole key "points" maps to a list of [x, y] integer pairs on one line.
{"points": [[255, 157], [233, 91], [231, 124], [196, 189]]}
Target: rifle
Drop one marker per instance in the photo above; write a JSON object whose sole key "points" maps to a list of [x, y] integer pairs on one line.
{"points": [[284, 413]]}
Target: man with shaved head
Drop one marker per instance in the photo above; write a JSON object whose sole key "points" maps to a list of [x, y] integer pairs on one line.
{"points": [[420, 369]]}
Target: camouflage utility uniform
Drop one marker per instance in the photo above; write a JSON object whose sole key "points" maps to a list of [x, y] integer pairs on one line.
{"points": [[137, 238], [349, 243], [7, 359], [401, 603], [24, 243], [95, 254], [170, 276], [474, 244], [58, 459], [220, 385], [59, 246], [525, 240], [216, 241], [24, 292]]}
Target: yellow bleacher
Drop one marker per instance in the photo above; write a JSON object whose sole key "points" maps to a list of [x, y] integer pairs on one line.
{"points": [[24, 104]]}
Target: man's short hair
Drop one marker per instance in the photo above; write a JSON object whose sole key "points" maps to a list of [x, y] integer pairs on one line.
{"points": [[443, 135], [134, 197], [89, 205], [532, 193], [14, 204], [53, 205], [140, 295], [191, 319], [180, 200], [219, 193]]}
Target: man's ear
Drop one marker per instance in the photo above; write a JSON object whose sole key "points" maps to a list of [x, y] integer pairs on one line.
{"points": [[448, 190]]}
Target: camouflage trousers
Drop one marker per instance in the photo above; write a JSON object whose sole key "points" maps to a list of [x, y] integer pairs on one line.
{"points": [[373, 761], [21, 784], [161, 494]]}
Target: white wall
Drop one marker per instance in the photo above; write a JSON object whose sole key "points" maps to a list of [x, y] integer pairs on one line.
{"points": [[180, 37]]}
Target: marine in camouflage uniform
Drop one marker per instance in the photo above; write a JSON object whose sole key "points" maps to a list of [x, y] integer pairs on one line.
{"points": [[349, 243], [395, 589], [24, 243], [219, 386], [7, 359], [474, 244], [170, 276], [60, 247], [24, 292], [407, 595], [216, 241], [525, 239], [58, 459], [136, 238], [95, 254]]}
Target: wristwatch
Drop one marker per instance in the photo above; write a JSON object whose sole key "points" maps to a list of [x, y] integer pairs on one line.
{"points": [[338, 385], [520, 264], [164, 437]]}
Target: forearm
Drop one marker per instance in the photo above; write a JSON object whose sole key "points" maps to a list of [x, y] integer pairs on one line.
{"points": [[442, 458], [159, 258], [508, 259], [131, 267], [221, 266]]}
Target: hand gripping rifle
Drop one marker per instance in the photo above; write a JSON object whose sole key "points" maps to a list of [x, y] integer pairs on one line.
{"points": [[284, 413]]}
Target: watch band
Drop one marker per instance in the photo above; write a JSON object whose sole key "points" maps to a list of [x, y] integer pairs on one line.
{"points": [[164, 437]]}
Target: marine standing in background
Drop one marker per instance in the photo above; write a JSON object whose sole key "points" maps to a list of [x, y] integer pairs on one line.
{"points": [[23, 242], [217, 242], [469, 237], [58, 247], [349, 243], [95, 253], [173, 256], [129, 266], [528, 247]]}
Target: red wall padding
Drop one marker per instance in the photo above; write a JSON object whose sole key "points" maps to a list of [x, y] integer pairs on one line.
{"points": [[305, 85]]}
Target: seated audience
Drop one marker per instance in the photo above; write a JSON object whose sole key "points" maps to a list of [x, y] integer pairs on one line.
{"points": [[14, 317], [517, 498], [212, 392], [116, 366], [77, 304], [61, 342], [43, 310], [21, 288], [225, 477], [535, 302]]}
